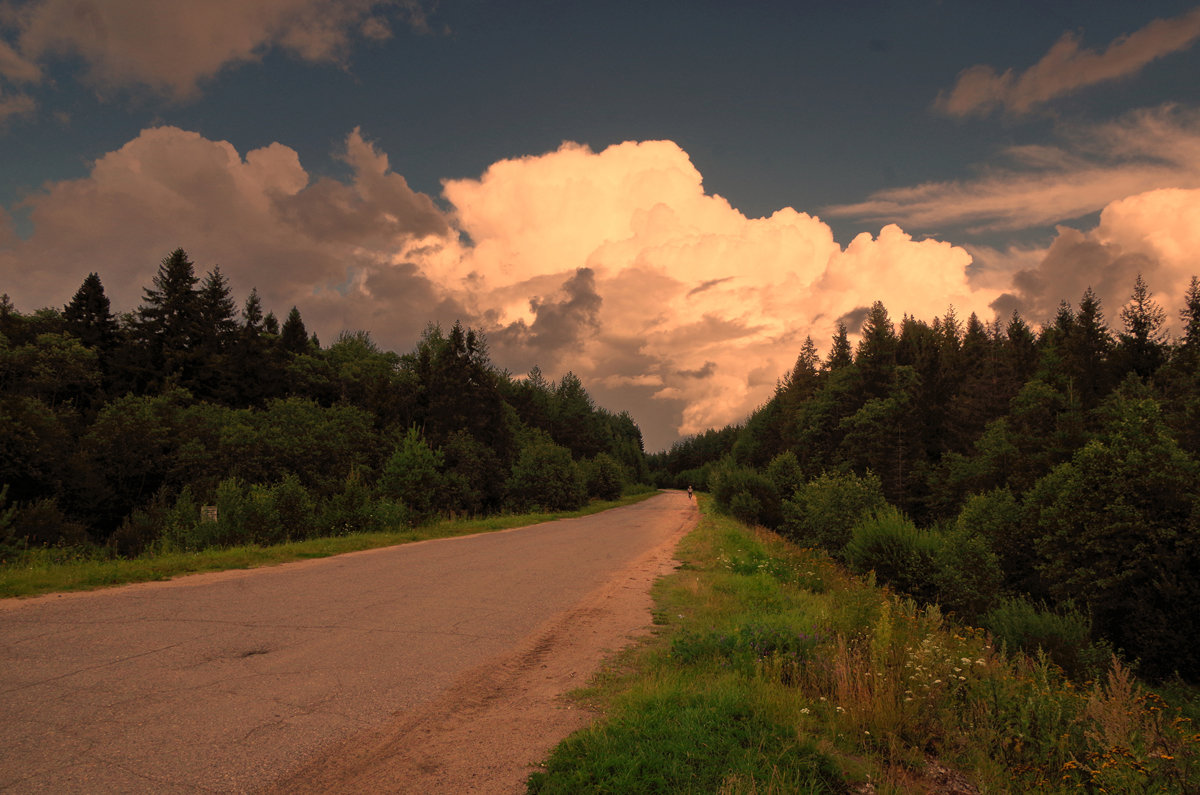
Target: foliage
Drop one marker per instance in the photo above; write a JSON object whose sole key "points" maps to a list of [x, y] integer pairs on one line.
{"points": [[822, 512], [603, 476], [544, 477], [901, 555], [745, 493], [1063, 634], [896, 697], [413, 476]]}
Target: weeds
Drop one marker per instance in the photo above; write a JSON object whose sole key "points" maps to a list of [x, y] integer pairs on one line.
{"points": [[895, 697]]}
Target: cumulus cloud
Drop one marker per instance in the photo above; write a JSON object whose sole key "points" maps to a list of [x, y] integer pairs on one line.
{"points": [[698, 309], [1044, 185], [1066, 67], [615, 264], [260, 217], [1155, 233], [170, 48]]}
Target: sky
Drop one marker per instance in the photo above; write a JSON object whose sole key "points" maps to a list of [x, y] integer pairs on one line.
{"points": [[663, 197]]}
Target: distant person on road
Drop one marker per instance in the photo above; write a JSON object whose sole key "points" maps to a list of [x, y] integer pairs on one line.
{"points": [[689, 491]]}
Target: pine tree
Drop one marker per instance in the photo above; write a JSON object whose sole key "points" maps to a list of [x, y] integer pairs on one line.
{"points": [[839, 353], [294, 337], [217, 311], [1088, 352], [252, 315], [89, 317], [876, 352], [1190, 314], [1143, 344], [170, 313]]}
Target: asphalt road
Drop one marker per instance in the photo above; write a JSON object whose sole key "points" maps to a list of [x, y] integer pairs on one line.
{"points": [[230, 681]]}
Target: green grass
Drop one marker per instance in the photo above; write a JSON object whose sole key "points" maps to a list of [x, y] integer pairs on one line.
{"points": [[40, 571], [775, 671]]}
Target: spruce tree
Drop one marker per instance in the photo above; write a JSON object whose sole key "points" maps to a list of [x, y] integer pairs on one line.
{"points": [[217, 311], [1143, 344], [293, 337], [839, 353], [89, 317], [169, 317]]}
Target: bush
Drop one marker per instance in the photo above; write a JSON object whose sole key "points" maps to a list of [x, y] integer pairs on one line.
{"points": [[350, 510], [967, 574], [1064, 635], [413, 475], [900, 554], [822, 512], [996, 517], [294, 509], [42, 523], [544, 477], [785, 473], [745, 494], [604, 477]]}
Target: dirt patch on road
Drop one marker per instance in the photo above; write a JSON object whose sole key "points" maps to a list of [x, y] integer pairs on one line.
{"points": [[486, 733]]}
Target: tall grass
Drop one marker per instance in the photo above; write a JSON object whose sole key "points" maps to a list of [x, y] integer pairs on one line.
{"points": [[841, 686]]}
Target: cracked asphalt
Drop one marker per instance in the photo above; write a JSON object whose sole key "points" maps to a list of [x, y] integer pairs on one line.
{"points": [[228, 682]]}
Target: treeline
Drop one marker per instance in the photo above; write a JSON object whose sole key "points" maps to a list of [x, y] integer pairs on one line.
{"points": [[1044, 484], [115, 430]]}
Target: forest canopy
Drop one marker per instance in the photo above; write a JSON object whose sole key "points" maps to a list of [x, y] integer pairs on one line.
{"points": [[116, 429], [1010, 474]]}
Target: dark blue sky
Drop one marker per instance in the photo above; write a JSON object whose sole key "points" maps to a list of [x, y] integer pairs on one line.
{"points": [[980, 156], [778, 103]]}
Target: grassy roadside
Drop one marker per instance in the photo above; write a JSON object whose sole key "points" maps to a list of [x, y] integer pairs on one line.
{"points": [[53, 570], [776, 672]]}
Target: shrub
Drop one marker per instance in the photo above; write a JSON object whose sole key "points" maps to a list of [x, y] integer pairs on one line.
{"points": [[785, 473], [967, 573], [544, 477], [295, 510], [1064, 634], [42, 523], [997, 518], [412, 474], [350, 510], [900, 554], [604, 477], [745, 494], [822, 512]]}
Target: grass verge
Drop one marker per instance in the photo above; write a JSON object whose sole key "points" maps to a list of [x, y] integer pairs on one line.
{"points": [[40, 571], [775, 671]]}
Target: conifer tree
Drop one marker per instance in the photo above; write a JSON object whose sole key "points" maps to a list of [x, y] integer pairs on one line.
{"points": [[88, 316], [1088, 352], [839, 353], [294, 337], [170, 313], [1143, 343], [216, 311]]}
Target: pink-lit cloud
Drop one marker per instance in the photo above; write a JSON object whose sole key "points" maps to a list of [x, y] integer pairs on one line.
{"points": [[170, 48], [1066, 67], [1155, 233], [1044, 185]]}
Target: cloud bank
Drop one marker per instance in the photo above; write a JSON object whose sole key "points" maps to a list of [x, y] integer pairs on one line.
{"points": [[1066, 68], [615, 264]]}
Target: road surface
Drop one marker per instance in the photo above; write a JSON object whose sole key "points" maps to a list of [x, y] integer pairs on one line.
{"points": [[427, 667]]}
